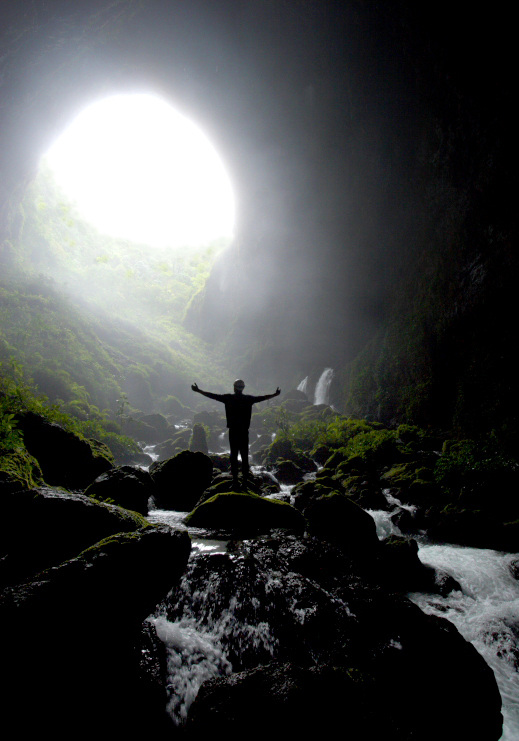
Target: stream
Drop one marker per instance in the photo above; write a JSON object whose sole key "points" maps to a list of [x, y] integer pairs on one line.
{"points": [[202, 643]]}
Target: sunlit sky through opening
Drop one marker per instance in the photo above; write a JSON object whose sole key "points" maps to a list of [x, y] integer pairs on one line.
{"points": [[138, 169]]}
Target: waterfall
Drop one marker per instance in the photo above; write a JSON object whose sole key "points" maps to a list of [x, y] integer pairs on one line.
{"points": [[323, 386], [303, 386]]}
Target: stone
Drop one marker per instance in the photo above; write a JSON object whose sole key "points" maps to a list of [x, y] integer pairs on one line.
{"points": [[180, 481], [127, 486], [64, 458], [75, 634], [336, 518], [245, 513], [49, 526]]}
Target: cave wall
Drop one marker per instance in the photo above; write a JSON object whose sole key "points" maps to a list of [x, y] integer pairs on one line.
{"points": [[372, 153]]}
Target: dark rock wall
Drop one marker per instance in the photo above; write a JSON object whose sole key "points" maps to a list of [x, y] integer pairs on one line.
{"points": [[372, 152]]}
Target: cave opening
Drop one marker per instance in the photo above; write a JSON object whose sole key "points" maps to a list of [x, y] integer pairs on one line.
{"points": [[136, 168]]}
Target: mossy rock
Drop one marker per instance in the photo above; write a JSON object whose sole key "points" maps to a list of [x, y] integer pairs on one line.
{"points": [[52, 526], [18, 471], [320, 453], [100, 450], [337, 457], [370, 498], [244, 513], [288, 472], [401, 475]]}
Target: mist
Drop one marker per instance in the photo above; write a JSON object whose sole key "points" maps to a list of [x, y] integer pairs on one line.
{"points": [[367, 150]]}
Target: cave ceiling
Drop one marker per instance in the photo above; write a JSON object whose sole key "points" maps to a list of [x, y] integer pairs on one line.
{"points": [[324, 113]]}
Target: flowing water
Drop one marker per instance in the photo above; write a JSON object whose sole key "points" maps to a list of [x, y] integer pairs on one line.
{"points": [[322, 390], [486, 613]]}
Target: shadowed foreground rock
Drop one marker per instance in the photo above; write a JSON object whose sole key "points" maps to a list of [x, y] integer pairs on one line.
{"points": [[73, 632], [129, 487], [345, 655], [64, 458], [180, 481], [48, 526]]}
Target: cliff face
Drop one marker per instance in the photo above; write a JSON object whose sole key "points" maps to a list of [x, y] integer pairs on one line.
{"points": [[371, 148]]}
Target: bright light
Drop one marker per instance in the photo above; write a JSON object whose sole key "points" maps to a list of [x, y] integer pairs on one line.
{"points": [[138, 169]]}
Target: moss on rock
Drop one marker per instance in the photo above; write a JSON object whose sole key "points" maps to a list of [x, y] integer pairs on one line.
{"points": [[239, 512]]}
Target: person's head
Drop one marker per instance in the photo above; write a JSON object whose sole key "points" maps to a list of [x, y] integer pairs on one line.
{"points": [[239, 385]]}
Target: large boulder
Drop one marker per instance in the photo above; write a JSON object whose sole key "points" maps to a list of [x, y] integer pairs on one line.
{"points": [[64, 458], [126, 486], [340, 642], [245, 513], [334, 517], [288, 472], [180, 481], [74, 635], [48, 526]]}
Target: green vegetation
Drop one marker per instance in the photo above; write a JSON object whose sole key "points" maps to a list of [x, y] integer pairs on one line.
{"points": [[94, 323], [17, 397]]}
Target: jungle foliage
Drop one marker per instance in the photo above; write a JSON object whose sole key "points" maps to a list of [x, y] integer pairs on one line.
{"points": [[93, 320]]}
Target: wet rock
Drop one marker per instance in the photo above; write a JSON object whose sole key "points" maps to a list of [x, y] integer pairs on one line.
{"points": [[126, 486], [336, 518], [245, 513], [320, 454], [52, 526], [297, 701], [65, 459], [334, 636], [88, 612], [221, 462], [180, 481], [403, 571], [288, 472]]}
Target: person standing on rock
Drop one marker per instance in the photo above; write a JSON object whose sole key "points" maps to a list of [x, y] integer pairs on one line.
{"points": [[238, 410]]}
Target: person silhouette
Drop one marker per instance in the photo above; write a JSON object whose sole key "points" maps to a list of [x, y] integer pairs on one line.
{"points": [[238, 411]]}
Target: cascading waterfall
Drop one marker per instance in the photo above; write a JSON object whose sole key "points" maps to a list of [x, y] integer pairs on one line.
{"points": [[303, 386], [322, 390]]}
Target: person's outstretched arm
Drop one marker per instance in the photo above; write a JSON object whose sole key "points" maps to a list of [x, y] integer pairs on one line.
{"points": [[267, 396], [216, 397]]}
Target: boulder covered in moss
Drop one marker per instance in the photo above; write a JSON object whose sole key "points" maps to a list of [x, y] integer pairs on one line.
{"points": [[84, 617], [288, 472], [180, 481], [64, 458], [244, 513], [126, 486], [334, 517], [48, 526]]}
